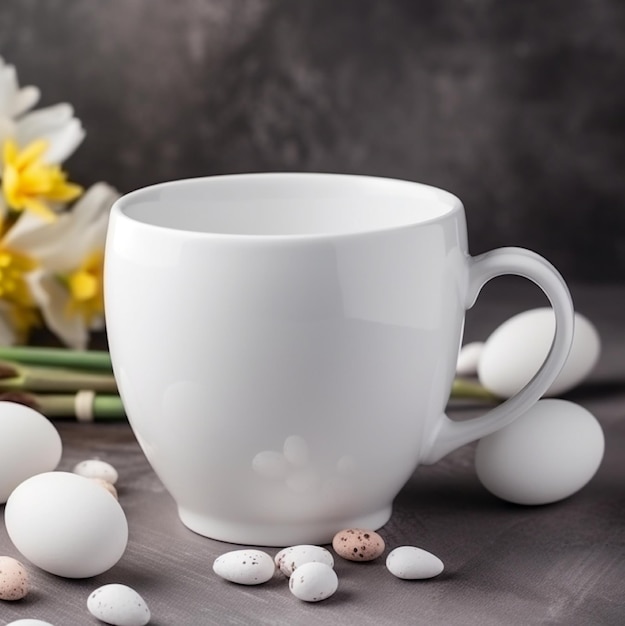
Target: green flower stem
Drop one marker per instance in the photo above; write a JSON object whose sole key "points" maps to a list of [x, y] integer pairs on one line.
{"points": [[99, 360], [14, 376], [105, 407], [467, 389]]}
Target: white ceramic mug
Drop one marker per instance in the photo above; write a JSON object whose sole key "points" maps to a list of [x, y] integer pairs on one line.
{"points": [[285, 344]]}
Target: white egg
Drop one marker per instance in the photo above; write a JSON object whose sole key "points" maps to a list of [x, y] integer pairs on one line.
{"points": [[66, 524], [118, 605], [291, 558], [95, 468], [468, 358], [29, 445], [545, 455], [515, 351], [313, 582], [412, 563], [29, 622], [245, 567]]}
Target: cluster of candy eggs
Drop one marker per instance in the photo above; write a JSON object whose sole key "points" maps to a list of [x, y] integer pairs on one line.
{"points": [[310, 568], [84, 537], [556, 447]]}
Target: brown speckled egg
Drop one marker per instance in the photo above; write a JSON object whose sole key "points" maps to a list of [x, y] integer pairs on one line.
{"points": [[357, 544], [13, 579]]}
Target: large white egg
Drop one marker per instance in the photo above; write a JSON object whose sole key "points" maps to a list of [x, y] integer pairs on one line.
{"points": [[29, 445], [66, 524], [545, 455], [514, 352]]}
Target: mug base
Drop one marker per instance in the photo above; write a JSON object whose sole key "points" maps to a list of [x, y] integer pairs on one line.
{"points": [[278, 535]]}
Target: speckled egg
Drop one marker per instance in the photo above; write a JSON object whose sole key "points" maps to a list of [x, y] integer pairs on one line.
{"points": [[289, 559], [412, 563], [95, 468], [29, 445], [357, 544], [118, 605], [245, 567], [13, 579], [29, 622], [313, 582]]}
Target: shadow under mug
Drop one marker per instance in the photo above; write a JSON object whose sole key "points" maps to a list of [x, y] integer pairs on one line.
{"points": [[285, 344]]}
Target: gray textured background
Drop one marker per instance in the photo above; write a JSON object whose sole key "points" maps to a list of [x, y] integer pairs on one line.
{"points": [[517, 107]]}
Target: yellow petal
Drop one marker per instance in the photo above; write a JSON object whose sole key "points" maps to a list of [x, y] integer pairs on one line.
{"points": [[31, 153], [83, 285], [9, 152], [64, 192]]}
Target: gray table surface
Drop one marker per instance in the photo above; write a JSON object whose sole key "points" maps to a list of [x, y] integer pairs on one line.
{"points": [[562, 563]]}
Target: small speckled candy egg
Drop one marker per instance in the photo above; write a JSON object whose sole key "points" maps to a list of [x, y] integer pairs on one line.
{"points": [[29, 445], [29, 622], [245, 567], [13, 579], [118, 605], [66, 524], [289, 559], [412, 563], [515, 351], [95, 468], [545, 455], [313, 582], [357, 544]]}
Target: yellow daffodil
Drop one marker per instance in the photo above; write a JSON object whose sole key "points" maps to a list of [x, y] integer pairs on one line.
{"points": [[18, 303], [67, 285], [86, 296], [28, 183]]}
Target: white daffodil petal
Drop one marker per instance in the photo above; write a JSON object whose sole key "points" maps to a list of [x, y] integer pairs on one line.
{"points": [[27, 223], [40, 123], [8, 89], [7, 334], [25, 99], [95, 202], [53, 298], [63, 141], [53, 244]]}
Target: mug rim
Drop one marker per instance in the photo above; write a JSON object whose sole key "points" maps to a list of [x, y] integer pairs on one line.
{"points": [[453, 204]]}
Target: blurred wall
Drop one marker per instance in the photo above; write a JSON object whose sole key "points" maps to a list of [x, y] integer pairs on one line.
{"points": [[517, 107]]}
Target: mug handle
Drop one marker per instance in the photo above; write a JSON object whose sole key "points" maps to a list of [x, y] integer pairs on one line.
{"points": [[447, 434]]}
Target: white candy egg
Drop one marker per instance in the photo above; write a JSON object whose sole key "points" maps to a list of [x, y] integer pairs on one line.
{"points": [[289, 559], [245, 567], [118, 605], [545, 455], [66, 524], [29, 445], [468, 358], [412, 563], [515, 351], [95, 468], [313, 582]]}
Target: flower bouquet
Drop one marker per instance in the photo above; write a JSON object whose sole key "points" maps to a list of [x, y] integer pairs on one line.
{"points": [[52, 234]]}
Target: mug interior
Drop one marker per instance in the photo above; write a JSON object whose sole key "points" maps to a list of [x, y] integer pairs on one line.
{"points": [[287, 204]]}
